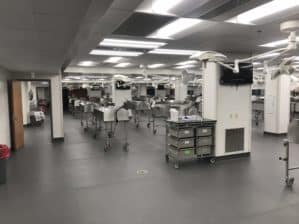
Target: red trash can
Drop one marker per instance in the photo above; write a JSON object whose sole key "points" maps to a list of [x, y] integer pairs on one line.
{"points": [[4, 155]]}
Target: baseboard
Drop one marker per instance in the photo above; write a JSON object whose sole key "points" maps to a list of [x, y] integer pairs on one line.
{"points": [[274, 134], [234, 156], [61, 139]]}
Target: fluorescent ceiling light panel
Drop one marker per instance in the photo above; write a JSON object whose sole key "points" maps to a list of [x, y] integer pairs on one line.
{"points": [[185, 66], [156, 65], [160, 7], [122, 65], [87, 63], [256, 63], [173, 51], [109, 42], [164, 6], [189, 62], [175, 27], [277, 43], [113, 60], [116, 53], [264, 10]]}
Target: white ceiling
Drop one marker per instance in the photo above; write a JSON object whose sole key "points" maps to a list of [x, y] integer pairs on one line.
{"points": [[46, 35], [35, 34]]}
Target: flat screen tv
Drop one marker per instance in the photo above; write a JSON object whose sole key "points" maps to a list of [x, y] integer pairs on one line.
{"points": [[150, 91], [244, 77]]}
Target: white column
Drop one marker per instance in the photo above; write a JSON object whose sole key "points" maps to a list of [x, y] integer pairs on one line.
{"points": [[180, 91], [230, 106], [277, 104], [57, 106], [25, 102]]}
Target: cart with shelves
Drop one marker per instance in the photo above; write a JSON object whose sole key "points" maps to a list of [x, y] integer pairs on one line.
{"points": [[189, 140]]}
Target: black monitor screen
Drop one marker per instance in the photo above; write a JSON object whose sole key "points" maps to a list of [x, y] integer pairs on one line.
{"points": [[150, 91], [244, 77]]}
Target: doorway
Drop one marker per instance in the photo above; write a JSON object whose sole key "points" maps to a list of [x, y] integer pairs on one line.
{"points": [[30, 111]]}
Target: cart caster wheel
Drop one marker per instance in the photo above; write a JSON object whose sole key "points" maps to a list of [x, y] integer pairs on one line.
{"points": [[85, 129], [95, 136], [155, 132], [167, 158], [81, 124], [106, 148], [137, 125], [176, 166], [109, 135], [212, 160], [126, 147], [290, 181], [148, 125]]}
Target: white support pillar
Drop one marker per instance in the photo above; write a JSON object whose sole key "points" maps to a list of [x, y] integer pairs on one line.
{"points": [[57, 107], [230, 106], [181, 90], [277, 104]]}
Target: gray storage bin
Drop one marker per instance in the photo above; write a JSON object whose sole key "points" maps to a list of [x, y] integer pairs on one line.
{"points": [[181, 143], [182, 133], [204, 131], [204, 150], [181, 154], [204, 141]]}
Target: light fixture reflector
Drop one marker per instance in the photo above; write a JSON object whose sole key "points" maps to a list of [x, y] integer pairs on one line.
{"points": [[87, 63], [263, 11], [110, 42], [173, 51], [116, 53], [122, 65], [156, 65], [113, 60], [170, 30]]}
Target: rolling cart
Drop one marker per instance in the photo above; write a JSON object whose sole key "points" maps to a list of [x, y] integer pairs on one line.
{"points": [[258, 111], [293, 137], [189, 140], [158, 112], [86, 117], [107, 120], [140, 109]]}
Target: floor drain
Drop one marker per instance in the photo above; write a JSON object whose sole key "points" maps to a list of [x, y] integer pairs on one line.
{"points": [[142, 172]]}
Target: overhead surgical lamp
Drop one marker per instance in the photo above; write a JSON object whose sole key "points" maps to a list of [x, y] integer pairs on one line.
{"points": [[284, 68]]}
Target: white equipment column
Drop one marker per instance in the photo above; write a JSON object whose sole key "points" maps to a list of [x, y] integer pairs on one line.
{"points": [[230, 106], [277, 104], [180, 91]]}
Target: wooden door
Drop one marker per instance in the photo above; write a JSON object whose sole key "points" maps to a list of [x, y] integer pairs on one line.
{"points": [[17, 129]]}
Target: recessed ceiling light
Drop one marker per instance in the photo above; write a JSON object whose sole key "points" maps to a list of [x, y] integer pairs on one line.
{"points": [[109, 42], [185, 66], [139, 77], [156, 65], [263, 11], [260, 69], [189, 62], [87, 63], [161, 7], [277, 43], [116, 53], [256, 63], [173, 51], [113, 60], [170, 30], [122, 65]]}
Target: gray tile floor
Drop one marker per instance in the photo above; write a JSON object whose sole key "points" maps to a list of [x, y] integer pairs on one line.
{"points": [[77, 182]]}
